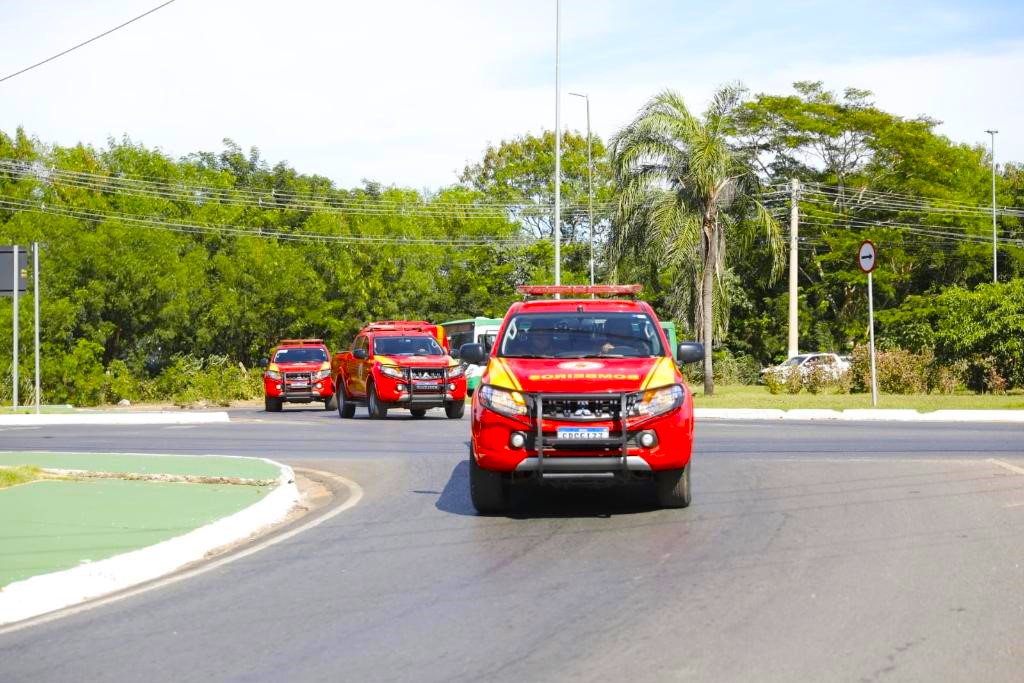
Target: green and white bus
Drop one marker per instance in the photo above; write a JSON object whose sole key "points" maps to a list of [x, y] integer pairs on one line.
{"points": [[472, 331]]}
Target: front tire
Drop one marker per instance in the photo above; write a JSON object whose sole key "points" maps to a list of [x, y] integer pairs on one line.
{"points": [[673, 487], [376, 409], [331, 403], [455, 409], [488, 490], [272, 405]]}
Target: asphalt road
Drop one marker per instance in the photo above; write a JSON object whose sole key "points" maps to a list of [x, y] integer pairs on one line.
{"points": [[812, 552]]}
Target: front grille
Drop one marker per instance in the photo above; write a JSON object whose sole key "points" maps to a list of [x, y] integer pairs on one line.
{"points": [[591, 409], [427, 373], [306, 377]]}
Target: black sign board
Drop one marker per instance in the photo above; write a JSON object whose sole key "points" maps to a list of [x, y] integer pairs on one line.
{"points": [[7, 270]]}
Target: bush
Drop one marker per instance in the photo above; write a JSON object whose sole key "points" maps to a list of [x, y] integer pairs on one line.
{"points": [[189, 380], [774, 380], [735, 369], [818, 379], [899, 371], [794, 381]]}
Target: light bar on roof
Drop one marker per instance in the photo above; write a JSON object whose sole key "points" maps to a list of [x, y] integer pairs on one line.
{"points": [[607, 290]]}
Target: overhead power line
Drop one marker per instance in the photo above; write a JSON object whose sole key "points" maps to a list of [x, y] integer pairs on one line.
{"points": [[86, 42], [22, 205], [270, 199]]}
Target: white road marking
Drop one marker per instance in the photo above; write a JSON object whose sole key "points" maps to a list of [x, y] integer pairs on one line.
{"points": [[355, 495], [1014, 505], [1007, 466]]}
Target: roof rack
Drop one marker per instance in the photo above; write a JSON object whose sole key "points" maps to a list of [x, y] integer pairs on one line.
{"points": [[593, 290], [301, 341]]}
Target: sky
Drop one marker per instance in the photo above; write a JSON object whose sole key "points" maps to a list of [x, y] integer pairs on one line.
{"points": [[410, 92]]}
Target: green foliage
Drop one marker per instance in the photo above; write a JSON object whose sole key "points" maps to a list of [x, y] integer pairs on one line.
{"points": [[982, 328], [775, 380]]}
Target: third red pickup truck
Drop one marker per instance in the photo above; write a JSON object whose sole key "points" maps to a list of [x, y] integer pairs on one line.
{"points": [[399, 364]]}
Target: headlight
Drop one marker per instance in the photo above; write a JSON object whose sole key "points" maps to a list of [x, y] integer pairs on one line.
{"points": [[457, 371], [323, 374], [501, 401], [273, 374], [392, 371], [657, 401]]}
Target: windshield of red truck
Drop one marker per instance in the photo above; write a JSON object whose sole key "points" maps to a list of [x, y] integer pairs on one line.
{"points": [[300, 355], [407, 346], [581, 335]]}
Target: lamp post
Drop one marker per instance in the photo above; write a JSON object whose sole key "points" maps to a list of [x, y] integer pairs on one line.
{"points": [[995, 270], [590, 186], [558, 149]]}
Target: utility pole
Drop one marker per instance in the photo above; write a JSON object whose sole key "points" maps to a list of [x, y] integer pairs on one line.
{"points": [[794, 226], [35, 292], [14, 301], [995, 267], [590, 186], [558, 148]]}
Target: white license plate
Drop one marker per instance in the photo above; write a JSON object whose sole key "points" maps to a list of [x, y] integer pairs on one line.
{"points": [[425, 385], [582, 433]]}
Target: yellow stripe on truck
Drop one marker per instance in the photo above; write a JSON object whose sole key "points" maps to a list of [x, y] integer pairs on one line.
{"points": [[662, 374], [384, 360], [499, 375]]}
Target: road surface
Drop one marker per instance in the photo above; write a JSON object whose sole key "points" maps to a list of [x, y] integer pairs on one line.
{"points": [[812, 551]]}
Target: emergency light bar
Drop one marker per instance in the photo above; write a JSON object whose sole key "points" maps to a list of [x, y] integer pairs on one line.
{"points": [[389, 325], [301, 341], [607, 290]]}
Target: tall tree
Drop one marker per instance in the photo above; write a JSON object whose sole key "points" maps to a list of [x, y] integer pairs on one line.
{"points": [[686, 191]]}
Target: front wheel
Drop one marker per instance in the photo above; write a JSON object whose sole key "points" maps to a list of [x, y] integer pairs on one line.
{"points": [[455, 409], [374, 406], [331, 403], [673, 487], [488, 490], [272, 405]]}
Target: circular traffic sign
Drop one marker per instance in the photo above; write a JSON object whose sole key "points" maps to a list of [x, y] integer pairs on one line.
{"points": [[867, 257]]}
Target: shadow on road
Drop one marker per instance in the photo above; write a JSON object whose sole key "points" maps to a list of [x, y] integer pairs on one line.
{"points": [[530, 501]]}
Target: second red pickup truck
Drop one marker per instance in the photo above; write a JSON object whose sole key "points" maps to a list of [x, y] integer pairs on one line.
{"points": [[399, 364]]}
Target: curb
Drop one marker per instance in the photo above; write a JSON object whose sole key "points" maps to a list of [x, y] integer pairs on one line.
{"points": [[860, 415], [48, 592], [153, 418]]}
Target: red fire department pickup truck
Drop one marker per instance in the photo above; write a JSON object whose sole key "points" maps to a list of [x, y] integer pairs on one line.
{"points": [[580, 390], [298, 371], [399, 364]]}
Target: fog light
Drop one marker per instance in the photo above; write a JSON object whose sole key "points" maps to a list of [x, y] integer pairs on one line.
{"points": [[400, 387], [278, 387], [451, 386], [647, 439], [319, 386], [517, 440]]}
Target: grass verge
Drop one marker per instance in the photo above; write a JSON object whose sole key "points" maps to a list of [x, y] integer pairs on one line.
{"points": [[21, 474], [738, 396]]}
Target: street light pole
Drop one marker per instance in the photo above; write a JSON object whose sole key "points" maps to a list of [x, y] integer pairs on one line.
{"points": [[590, 186], [995, 268], [558, 148]]}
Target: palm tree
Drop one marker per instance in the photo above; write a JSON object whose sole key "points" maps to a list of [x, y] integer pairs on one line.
{"points": [[685, 191]]}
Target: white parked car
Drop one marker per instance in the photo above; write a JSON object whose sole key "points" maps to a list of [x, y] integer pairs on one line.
{"points": [[807, 362]]}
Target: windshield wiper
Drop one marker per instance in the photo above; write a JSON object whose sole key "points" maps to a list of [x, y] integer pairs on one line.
{"points": [[528, 356]]}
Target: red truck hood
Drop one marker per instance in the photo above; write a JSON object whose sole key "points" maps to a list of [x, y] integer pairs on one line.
{"points": [[416, 361], [591, 375]]}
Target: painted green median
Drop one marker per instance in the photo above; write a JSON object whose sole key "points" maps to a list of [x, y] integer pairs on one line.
{"points": [[50, 525]]}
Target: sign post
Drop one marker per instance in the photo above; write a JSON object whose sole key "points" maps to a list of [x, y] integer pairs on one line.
{"points": [[35, 293], [867, 258], [13, 283]]}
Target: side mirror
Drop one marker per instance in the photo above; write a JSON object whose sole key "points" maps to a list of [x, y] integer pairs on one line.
{"points": [[262, 363], [690, 352], [472, 354], [360, 354]]}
